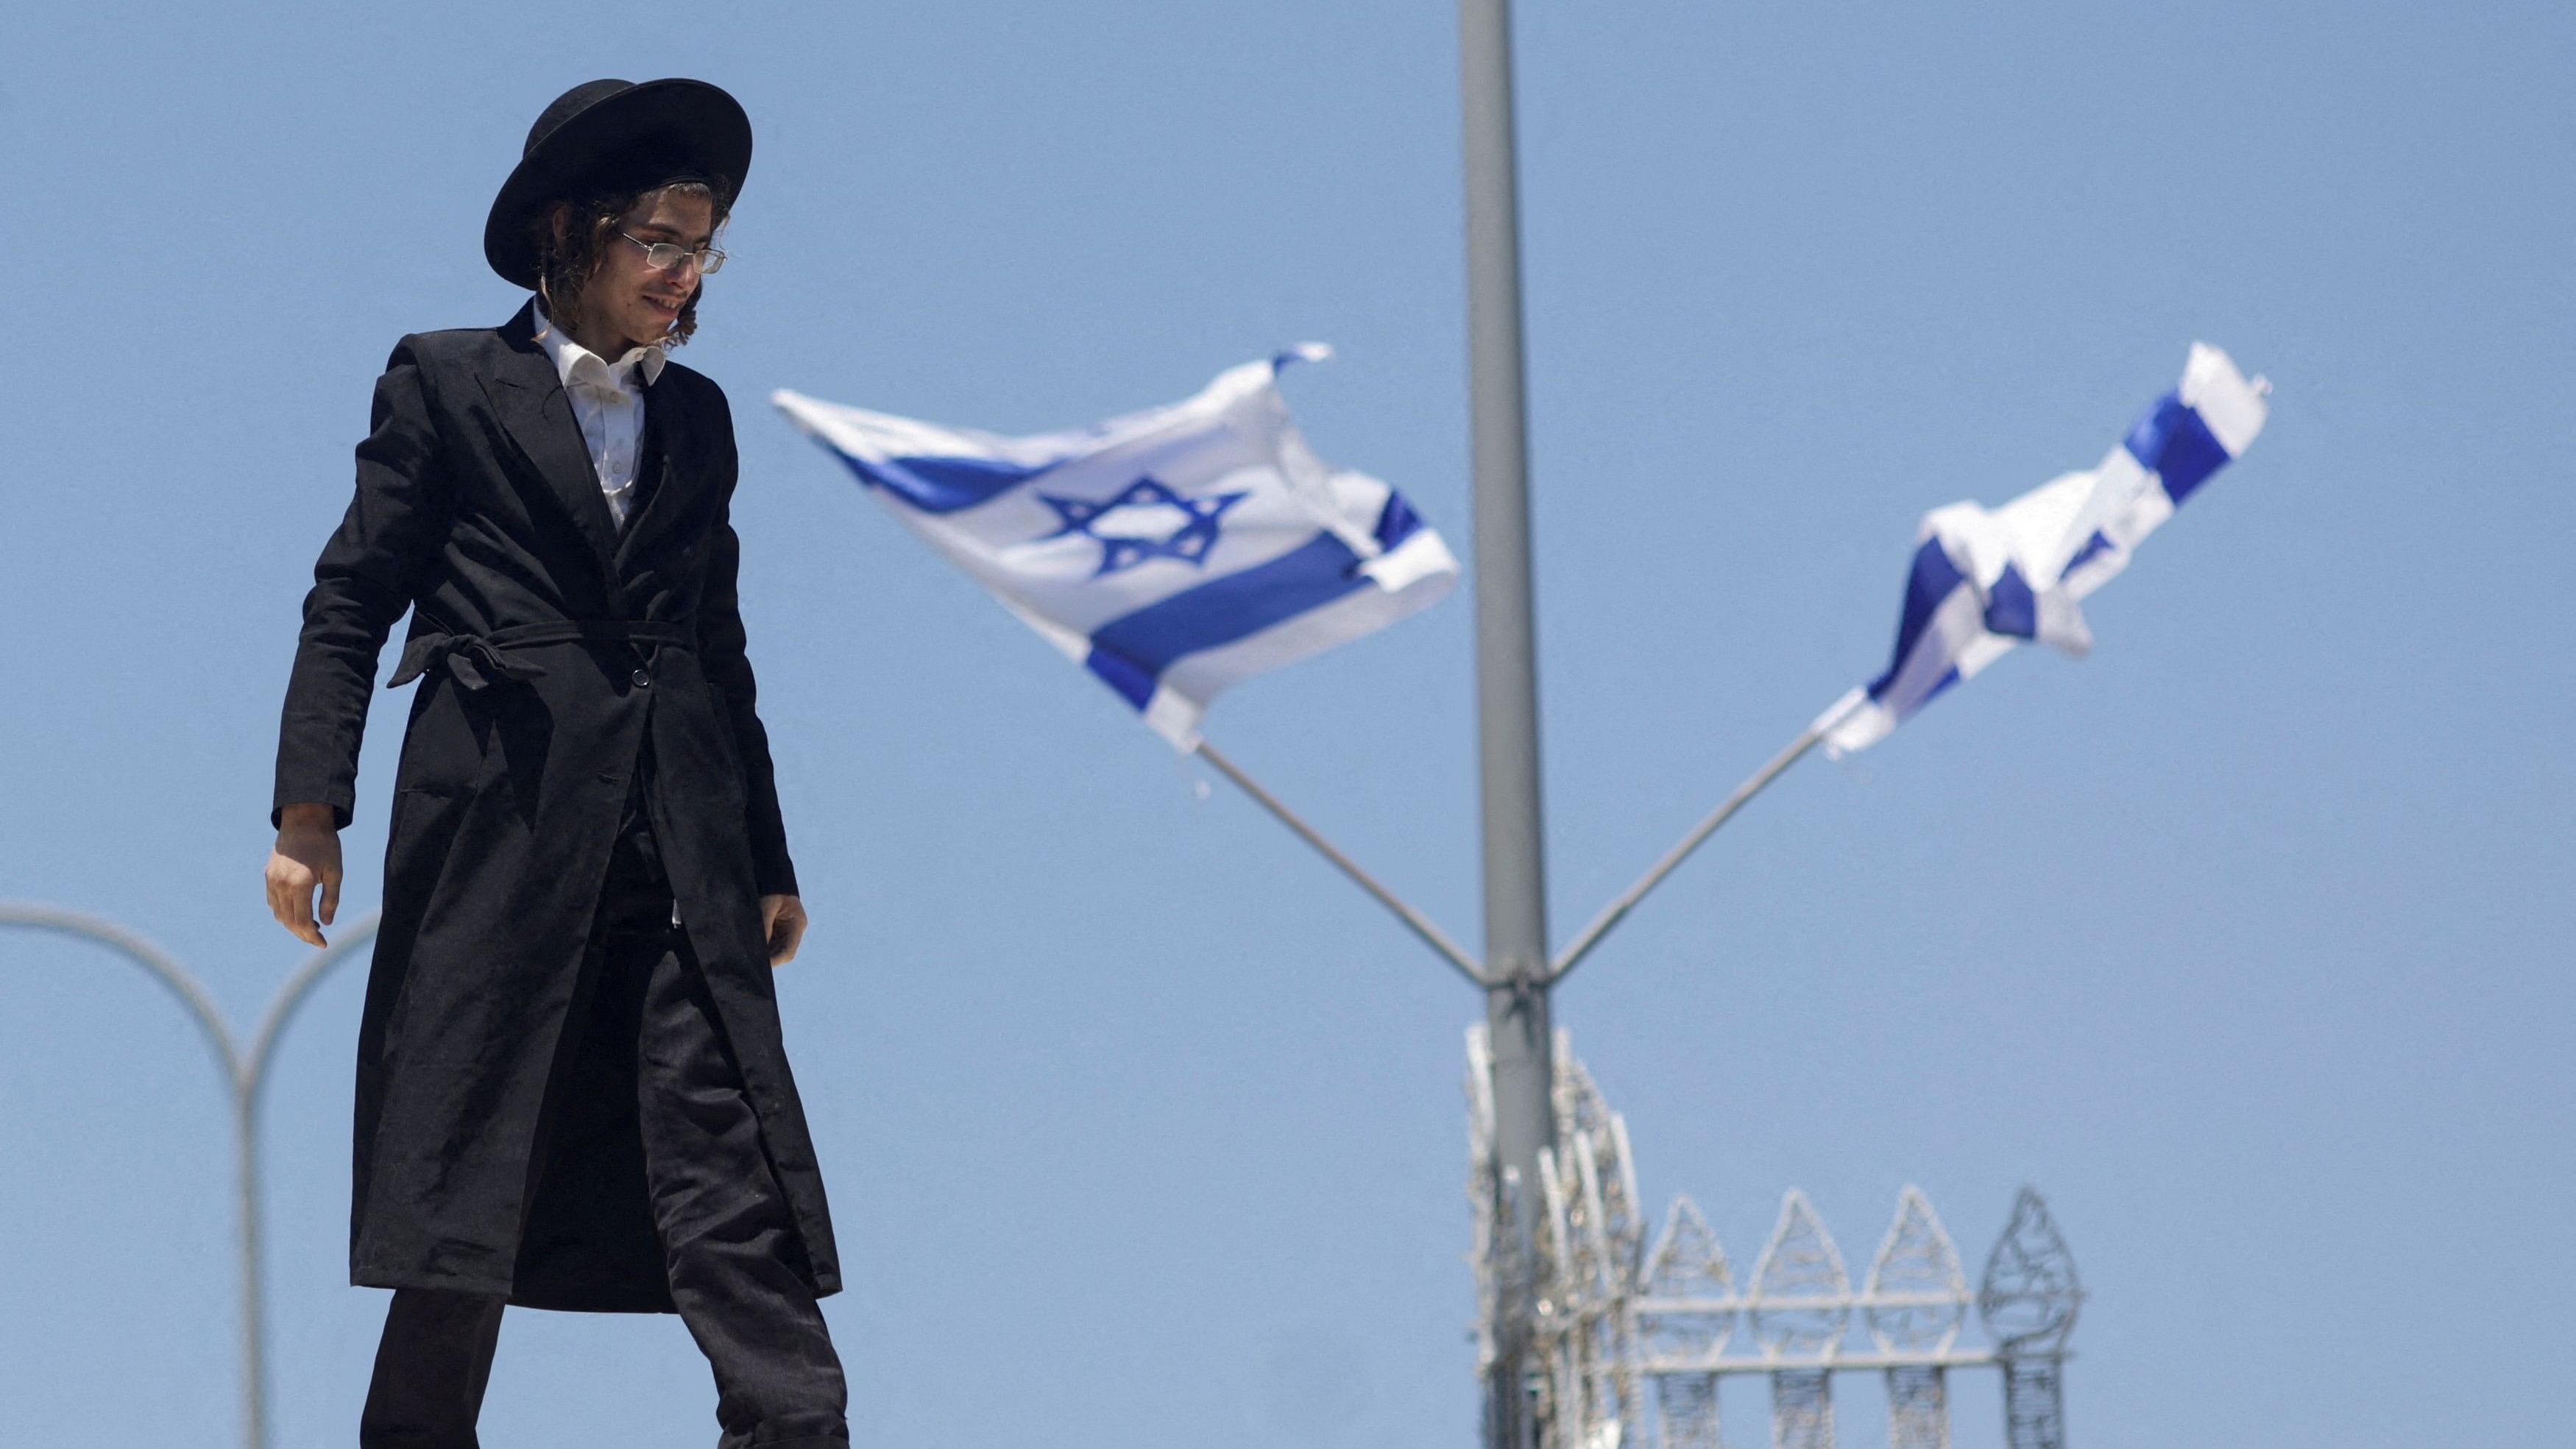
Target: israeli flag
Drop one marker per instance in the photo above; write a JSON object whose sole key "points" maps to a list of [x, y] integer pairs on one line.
{"points": [[1174, 551], [1984, 580]]}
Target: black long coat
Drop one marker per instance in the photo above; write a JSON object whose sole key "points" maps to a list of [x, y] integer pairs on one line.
{"points": [[478, 511]]}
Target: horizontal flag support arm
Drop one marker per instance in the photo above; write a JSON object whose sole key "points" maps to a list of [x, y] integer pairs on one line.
{"points": [[1420, 924], [1678, 1365], [1618, 910], [1800, 1302]]}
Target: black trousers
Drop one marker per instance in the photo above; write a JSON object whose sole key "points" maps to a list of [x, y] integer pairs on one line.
{"points": [[726, 1236]]}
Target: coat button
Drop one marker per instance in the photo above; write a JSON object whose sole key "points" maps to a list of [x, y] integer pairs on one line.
{"points": [[642, 679]]}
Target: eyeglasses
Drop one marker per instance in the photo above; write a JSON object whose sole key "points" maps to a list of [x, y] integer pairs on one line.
{"points": [[663, 256]]}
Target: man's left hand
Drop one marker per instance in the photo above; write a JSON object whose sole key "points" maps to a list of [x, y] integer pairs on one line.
{"points": [[782, 920]]}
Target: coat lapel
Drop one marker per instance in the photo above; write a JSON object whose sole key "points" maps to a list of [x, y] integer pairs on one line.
{"points": [[672, 433], [538, 416]]}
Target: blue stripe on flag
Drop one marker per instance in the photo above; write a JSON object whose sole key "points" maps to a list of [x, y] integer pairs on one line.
{"points": [[2174, 444], [2098, 543], [942, 485], [2011, 608], [1933, 578], [1130, 652], [1127, 678], [1397, 521]]}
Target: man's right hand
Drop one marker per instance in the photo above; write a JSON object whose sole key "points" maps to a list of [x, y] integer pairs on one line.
{"points": [[307, 855]]}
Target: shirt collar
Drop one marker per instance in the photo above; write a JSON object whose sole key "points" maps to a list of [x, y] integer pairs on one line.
{"points": [[576, 363]]}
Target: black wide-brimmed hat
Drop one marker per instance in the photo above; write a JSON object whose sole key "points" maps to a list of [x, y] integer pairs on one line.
{"points": [[609, 135]]}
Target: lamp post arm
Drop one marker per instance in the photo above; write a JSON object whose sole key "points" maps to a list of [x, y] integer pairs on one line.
{"points": [[246, 1095], [1420, 924], [1618, 910], [133, 947], [254, 1067], [201, 1005], [244, 1073]]}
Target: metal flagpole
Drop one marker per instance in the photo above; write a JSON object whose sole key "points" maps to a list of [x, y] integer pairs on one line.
{"points": [[1618, 910], [1420, 924], [1516, 960], [1760, 779]]}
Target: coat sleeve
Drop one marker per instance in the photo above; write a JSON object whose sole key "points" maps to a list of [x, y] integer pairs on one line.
{"points": [[722, 652], [728, 667], [366, 578]]}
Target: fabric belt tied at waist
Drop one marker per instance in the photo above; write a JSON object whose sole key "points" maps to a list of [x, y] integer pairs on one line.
{"points": [[473, 660]]}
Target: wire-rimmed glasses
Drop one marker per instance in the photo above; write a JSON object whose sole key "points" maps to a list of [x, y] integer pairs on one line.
{"points": [[663, 256]]}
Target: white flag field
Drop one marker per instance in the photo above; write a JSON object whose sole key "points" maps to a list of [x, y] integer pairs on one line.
{"points": [[1984, 580], [1172, 552]]}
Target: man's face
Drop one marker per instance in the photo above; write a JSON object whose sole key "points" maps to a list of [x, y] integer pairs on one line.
{"points": [[628, 298]]}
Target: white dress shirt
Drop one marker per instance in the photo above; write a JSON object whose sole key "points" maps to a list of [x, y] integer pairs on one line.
{"points": [[608, 401]]}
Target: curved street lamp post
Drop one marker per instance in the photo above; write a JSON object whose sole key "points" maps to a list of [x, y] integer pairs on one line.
{"points": [[245, 1072]]}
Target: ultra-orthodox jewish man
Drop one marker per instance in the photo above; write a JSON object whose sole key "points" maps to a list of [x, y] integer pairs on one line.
{"points": [[571, 1090]]}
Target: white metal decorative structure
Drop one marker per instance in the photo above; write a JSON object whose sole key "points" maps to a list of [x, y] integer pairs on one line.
{"points": [[1919, 1299], [1634, 1339], [2029, 1302], [1800, 1307]]}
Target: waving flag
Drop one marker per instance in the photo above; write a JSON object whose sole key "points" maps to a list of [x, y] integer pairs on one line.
{"points": [[1984, 580], [1174, 551]]}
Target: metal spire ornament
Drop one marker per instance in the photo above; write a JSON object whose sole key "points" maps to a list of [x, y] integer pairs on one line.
{"points": [[1631, 1342]]}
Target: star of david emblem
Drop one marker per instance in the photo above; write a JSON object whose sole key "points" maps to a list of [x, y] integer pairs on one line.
{"points": [[1147, 520]]}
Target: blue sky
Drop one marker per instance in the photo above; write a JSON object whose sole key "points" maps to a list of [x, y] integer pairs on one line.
{"points": [[2245, 940]]}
